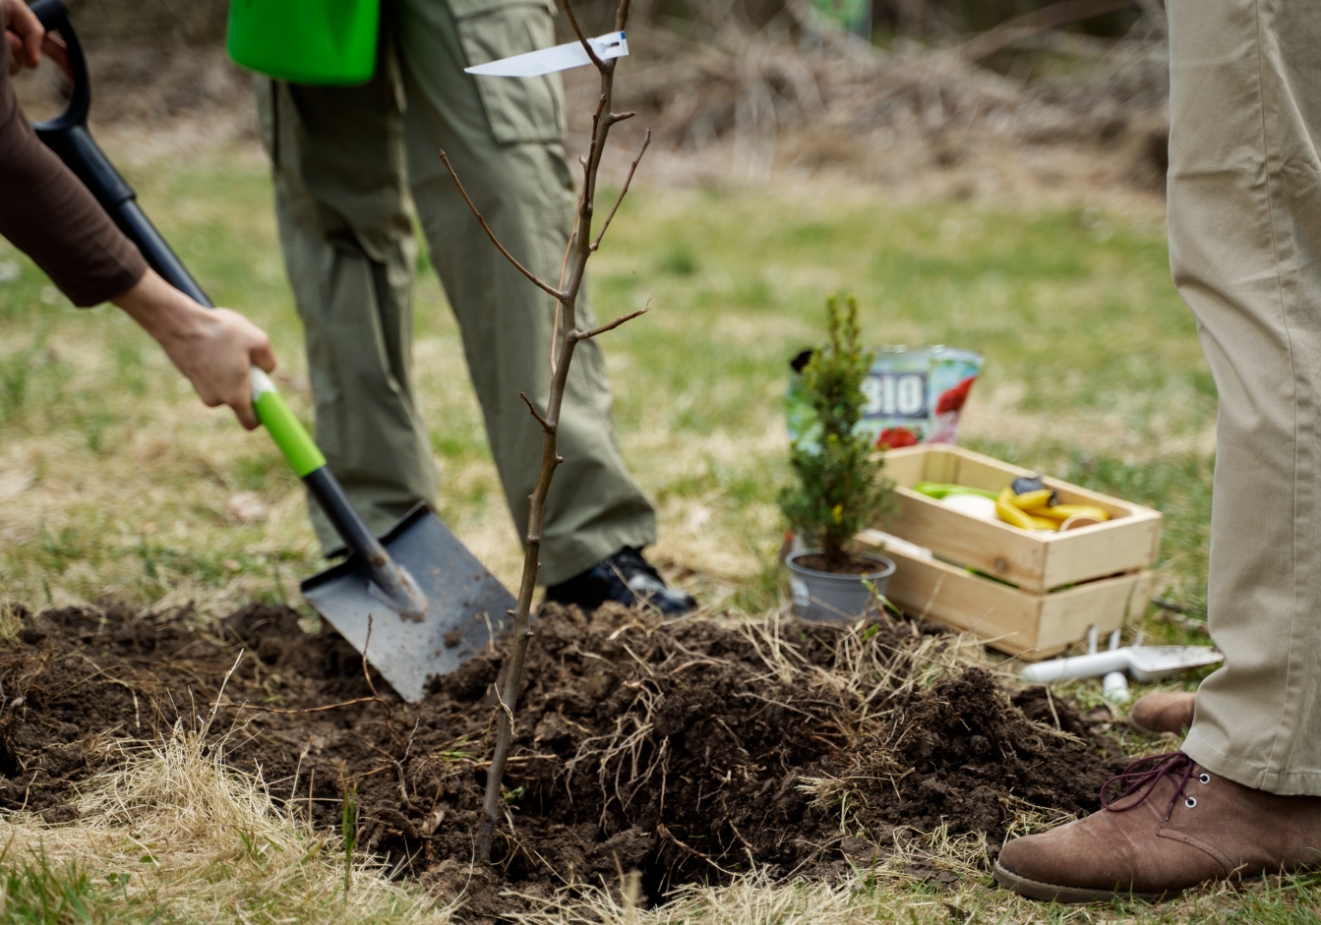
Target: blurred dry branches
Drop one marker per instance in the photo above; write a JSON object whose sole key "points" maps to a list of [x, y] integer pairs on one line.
{"points": [[761, 85], [781, 85]]}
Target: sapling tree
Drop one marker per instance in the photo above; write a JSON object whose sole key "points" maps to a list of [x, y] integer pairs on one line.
{"points": [[566, 335], [839, 488]]}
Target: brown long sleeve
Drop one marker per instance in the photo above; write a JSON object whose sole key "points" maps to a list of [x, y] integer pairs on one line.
{"points": [[48, 214]]}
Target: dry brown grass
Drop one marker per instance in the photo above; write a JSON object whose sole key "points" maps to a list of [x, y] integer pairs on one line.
{"points": [[189, 834]]}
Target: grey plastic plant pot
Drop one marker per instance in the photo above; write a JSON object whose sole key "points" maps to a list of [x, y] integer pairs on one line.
{"points": [[832, 597]]}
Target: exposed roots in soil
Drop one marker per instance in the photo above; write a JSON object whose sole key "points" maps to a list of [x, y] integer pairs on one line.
{"points": [[688, 751]]}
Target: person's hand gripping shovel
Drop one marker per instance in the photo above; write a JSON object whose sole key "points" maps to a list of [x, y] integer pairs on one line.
{"points": [[427, 600]]}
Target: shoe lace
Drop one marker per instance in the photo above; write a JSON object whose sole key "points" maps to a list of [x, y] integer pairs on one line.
{"points": [[1142, 777]]}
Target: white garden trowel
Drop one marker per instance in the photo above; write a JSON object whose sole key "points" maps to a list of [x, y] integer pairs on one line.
{"points": [[1141, 663]]}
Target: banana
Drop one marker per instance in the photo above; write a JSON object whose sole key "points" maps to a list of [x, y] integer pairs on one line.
{"points": [[1010, 514], [1062, 512], [1008, 510], [1052, 513], [1033, 501]]}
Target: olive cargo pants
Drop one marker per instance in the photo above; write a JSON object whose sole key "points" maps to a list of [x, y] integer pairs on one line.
{"points": [[1245, 248], [345, 161]]}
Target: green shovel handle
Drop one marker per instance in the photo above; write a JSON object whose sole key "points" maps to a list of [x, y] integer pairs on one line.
{"points": [[286, 430], [400, 589]]}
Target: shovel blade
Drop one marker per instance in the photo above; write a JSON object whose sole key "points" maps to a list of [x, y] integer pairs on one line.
{"points": [[468, 605]]}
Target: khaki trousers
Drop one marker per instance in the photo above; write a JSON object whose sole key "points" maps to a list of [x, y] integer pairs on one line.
{"points": [[345, 162], [1245, 227]]}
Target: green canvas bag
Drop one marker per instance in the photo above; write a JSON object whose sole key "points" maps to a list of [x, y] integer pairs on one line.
{"points": [[323, 42]]}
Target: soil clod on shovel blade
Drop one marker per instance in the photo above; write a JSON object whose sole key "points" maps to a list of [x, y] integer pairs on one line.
{"points": [[468, 605]]}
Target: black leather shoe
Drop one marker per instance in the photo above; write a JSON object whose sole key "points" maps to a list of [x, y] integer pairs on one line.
{"points": [[626, 578]]}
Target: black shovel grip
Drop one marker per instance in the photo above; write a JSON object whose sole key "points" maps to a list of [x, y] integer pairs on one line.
{"points": [[54, 17], [68, 137]]}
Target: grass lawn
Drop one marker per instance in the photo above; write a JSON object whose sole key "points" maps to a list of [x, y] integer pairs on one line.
{"points": [[115, 482]]}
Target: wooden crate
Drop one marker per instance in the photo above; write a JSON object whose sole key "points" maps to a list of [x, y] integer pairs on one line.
{"points": [[1019, 622], [1128, 541], [1053, 586]]}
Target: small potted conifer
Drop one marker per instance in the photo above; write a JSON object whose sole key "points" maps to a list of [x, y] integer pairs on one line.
{"points": [[839, 488]]}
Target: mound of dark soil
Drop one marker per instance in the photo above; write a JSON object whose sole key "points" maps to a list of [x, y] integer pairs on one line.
{"points": [[685, 750], [73, 679], [963, 752]]}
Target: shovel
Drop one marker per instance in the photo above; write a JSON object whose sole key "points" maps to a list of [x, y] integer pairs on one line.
{"points": [[423, 598]]}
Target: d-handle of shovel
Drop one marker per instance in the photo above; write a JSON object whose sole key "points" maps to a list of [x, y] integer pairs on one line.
{"points": [[54, 17]]}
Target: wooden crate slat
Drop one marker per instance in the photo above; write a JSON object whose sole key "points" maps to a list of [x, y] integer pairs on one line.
{"points": [[1104, 549], [1108, 604], [1027, 624], [948, 595], [907, 468], [988, 546]]}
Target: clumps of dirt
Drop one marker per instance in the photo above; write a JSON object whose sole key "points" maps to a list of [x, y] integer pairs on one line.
{"points": [[964, 755], [685, 750]]}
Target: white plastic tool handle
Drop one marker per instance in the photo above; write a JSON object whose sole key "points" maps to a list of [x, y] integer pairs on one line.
{"points": [[1114, 687], [1081, 666], [261, 383]]}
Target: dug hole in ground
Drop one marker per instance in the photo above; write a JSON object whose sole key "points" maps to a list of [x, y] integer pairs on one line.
{"points": [[689, 751]]}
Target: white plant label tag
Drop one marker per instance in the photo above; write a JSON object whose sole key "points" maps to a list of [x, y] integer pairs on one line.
{"points": [[550, 60]]}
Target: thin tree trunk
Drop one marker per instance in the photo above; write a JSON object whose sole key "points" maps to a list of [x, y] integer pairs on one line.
{"points": [[583, 246]]}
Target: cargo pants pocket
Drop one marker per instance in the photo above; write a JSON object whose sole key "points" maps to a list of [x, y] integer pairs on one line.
{"points": [[518, 109]]}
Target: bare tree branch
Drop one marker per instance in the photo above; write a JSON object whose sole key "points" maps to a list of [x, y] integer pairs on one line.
{"points": [[646, 142], [555, 328], [1048, 17], [580, 248], [588, 335], [545, 425], [564, 266], [578, 31], [568, 249], [536, 281]]}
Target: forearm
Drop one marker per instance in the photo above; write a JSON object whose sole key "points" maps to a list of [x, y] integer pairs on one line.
{"points": [[49, 215], [214, 348], [162, 311]]}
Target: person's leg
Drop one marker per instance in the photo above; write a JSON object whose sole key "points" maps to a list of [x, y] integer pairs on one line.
{"points": [[338, 161], [503, 136], [1244, 796], [1245, 228]]}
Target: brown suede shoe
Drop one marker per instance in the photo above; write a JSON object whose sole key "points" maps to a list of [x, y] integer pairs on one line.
{"points": [[1163, 711], [1177, 825]]}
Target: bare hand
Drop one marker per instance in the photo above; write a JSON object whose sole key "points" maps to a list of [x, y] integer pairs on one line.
{"points": [[214, 348], [216, 355], [27, 39], [24, 33]]}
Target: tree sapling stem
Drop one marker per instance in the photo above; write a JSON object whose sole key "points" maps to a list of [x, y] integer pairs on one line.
{"points": [[565, 336]]}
